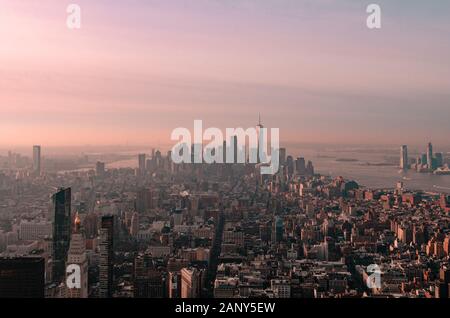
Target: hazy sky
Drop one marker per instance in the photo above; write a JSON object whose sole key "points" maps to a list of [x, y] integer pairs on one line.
{"points": [[138, 69]]}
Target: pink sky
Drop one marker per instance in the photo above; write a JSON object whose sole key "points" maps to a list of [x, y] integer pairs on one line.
{"points": [[134, 73]]}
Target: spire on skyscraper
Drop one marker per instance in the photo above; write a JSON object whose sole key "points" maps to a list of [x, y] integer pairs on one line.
{"points": [[77, 223], [259, 121]]}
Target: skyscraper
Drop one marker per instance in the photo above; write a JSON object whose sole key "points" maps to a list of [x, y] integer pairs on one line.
{"points": [[290, 165], [158, 159], [423, 159], [106, 257], [277, 230], [430, 156], [261, 140], [190, 283], [282, 156], [439, 156], [404, 157], [141, 158], [235, 147], [61, 231], [77, 256], [100, 169], [149, 281], [300, 166], [134, 228], [224, 151], [37, 160], [22, 277], [310, 168], [174, 280], [143, 200]]}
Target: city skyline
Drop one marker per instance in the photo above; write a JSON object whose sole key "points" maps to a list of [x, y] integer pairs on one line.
{"points": [[424, 162], [240, 151], [132, 74], [66, 150], [166, 230]]}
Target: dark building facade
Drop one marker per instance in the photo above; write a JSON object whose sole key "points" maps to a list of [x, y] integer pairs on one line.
{"points": [[22, 277], [106, 257], [61, 231]]}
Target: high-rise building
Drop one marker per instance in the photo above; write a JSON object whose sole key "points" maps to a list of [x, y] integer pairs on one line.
{"points": [[439, 159], [310, 168], [158, 159], [34, 230], [144, 200], [190, 283], [404, 158], [290, 165], [300, 166], [232, 150], [100, 169], [430, 156], [168, 164], [134, 228], [22, 277], [235, 148], [265, 231], [150, 164], [77, 256], [261, 140], [197, 153], [90, 226], [423, 159], [142, 162], [61, 231], [277, 230], [224, 151], [282, 156], [106, 257], [174, 287], [149, 281], [37, 160]]}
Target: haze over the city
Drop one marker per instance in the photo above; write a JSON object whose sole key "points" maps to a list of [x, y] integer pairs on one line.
{"points": [[135, 71], [345, 196]]}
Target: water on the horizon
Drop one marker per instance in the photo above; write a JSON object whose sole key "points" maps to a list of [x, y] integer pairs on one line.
{"points": [[372, 169]]}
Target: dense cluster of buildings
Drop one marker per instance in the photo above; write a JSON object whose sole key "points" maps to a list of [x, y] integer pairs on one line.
{"points": [[217, 230], [427, 162]]}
